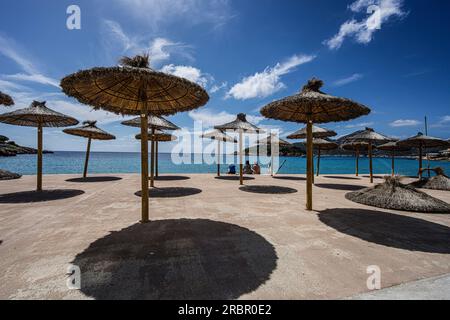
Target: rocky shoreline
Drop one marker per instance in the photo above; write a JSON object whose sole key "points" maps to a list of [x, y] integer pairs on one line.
{"points": [[11, 149]]}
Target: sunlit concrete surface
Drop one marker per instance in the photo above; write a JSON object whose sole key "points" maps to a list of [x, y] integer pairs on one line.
{"points": [[209, 239]]}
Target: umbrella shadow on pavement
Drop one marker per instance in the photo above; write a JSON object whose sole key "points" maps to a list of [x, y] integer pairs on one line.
{"points": [[39, 196], [290, 178], [94, 179], [171, 178], [171, 192], [176, 259], [341, 177], [233, 178], [345, 187], [268, 189], [389, 229]]}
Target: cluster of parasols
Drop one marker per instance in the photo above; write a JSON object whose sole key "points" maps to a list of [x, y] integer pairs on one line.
{"points": [[133, 88]]}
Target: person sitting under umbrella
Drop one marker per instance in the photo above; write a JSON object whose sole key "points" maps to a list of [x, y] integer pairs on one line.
{"points": [[248, 168], [232, 169], [256, 168]]}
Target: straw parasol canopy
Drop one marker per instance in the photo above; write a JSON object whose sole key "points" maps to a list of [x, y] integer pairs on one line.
{"points": [[158, 123], [323, 145], [158, 136], [392, 147], [241, 125], [39, 116], [90, 131], [357, 147], [219, 136], [392, 194], [6, 100], [133, 88], [313, 106], [438, 182], [318, 132], [371, 137], [155, 123], [422, 141]]}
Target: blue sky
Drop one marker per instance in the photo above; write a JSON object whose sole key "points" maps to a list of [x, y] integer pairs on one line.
{"points": [[245, 53]]}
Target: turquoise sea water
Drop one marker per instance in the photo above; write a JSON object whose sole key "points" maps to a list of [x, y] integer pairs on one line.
{"points": [[107, 163]]}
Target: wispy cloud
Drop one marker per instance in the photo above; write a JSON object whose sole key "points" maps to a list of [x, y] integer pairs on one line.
{"points": [[417, 73], [158, 13], [10, 49], [265, 83], [359, 125], [160, 49], [217, 87], [405, 123], [443, 122], [344, 81], [380, 12]]}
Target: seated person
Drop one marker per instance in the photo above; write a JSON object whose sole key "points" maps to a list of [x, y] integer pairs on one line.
{"points": [[256, 168], [231, 169], [247, 168]]}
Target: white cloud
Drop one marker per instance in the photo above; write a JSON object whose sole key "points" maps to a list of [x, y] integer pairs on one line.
{"points": [[347, 80], [157, 13], [210, 118], [268, 82], [363, 31], [404, 123], [82, 112], [191, 73], [359, 125], [159, 49], [443, 122], [9, 49], [216, 88]]}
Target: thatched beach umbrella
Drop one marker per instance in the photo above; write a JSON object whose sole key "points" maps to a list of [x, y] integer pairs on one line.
{"points": [[154, 123], [392, 147], [6, 100], [317, 132], [422, 141], [392, 194], [439, 182], [39, 116], [220, 137], [313, 106], [133, 88], [323, 145], [240, 125], [90, 131], [371, 137], [357, 147], [157, 136], [267, 142]]}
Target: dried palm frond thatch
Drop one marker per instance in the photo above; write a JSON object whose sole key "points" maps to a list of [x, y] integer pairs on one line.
{"points": [[90, 130], [154, 122], [318, 132], [219, 136], [240, 124], [158, 136], [6, 100], [37, 114], [125, 88], [438, 182], [392, 194]]}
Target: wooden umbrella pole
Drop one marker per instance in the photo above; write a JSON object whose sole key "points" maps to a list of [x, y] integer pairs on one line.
{"points": [[39, 158], [271, 161], [156, 158], [420, 161], [218, 157], [357, 162], [241, 163], [152, 166], [370, 162], [312, 166], [393, 163], [318, 162], [309, 155], [144, 163], [86, 162]]}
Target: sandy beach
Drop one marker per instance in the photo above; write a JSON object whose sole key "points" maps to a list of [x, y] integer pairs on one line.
{"points": [[209, 239]]}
